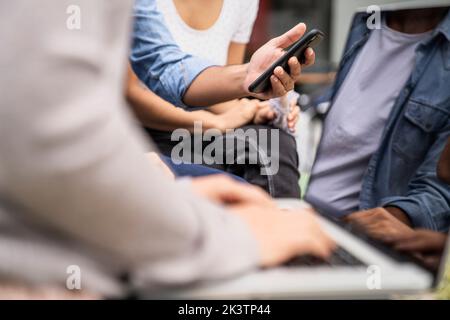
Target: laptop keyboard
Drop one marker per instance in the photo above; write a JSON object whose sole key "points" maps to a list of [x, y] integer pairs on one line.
{"points": [[340, 257]]}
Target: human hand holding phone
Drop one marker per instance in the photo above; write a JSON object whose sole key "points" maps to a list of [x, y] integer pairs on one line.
{"points": [[272, 71], [218, 84]]}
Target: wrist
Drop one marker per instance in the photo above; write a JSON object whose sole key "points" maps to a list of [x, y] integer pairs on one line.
{"points": [[216, 122], [244, 92]]}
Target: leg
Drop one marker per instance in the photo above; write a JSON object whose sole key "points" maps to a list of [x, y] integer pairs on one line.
{"points": [[261, 155], [194, 170], [277, 153]]}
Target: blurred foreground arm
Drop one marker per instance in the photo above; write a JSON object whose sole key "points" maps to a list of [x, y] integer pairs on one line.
{"points": [[76, 169]]}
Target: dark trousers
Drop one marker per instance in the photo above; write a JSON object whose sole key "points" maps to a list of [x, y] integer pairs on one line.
{"points": [[260, 155]]}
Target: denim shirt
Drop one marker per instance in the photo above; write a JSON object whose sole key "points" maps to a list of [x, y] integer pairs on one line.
{"points": [[157, 60], [402, 172]]}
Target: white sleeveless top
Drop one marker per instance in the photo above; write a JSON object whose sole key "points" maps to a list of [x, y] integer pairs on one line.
{"points": [[235, 24]]}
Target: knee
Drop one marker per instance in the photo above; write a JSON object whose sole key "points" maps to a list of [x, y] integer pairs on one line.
{"points": [[275, 136], [274, 143]]}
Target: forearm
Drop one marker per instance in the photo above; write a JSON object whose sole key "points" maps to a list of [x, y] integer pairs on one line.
{"points": [[217, 84], [156, 113], [222, 108]]}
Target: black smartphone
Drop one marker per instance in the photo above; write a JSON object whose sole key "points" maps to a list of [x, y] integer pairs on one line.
{"points": [[313, 38]]}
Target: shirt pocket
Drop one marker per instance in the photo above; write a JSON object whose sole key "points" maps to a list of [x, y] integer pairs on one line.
{"points": [[417, 130]]}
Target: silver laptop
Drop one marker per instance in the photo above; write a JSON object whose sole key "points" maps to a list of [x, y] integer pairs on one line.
{"points": [[359, 269]]}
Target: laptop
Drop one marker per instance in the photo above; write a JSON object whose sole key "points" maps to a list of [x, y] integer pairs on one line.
{"points": [[359, 269]]}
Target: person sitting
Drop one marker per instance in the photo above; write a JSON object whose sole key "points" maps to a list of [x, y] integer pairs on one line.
{"points": [[387, 124], [217, 30]]}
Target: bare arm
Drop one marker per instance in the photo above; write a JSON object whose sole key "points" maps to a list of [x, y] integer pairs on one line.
{"points": [[217, 84], [236, 54], [156, 113]]}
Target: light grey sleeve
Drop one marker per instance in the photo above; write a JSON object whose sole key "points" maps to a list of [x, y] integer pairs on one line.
{"points": [[71, 157]]}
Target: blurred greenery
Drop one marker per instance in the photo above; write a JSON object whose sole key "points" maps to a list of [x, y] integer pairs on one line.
{"points": [[304, 181], [444, 288]]}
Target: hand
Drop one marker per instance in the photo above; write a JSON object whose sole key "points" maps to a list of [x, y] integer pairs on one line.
{"points": [[293, 117], [225, 191], [283, 235], [242, 113], [379, 224], [265, 114], [282, 82], [426, 245], [423, 241]]}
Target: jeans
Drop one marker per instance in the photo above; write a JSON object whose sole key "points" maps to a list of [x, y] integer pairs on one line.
{"points": [[278, 151], [194, 170]]}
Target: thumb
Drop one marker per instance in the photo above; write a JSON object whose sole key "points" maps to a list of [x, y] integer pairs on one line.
{"points": [[290, 37]]}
